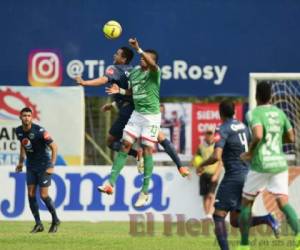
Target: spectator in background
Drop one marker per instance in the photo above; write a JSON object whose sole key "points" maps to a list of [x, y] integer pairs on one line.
{"points": [[208, 180]]}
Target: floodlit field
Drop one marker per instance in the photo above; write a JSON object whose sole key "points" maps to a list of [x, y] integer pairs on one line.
{"points": [[106, 235]]}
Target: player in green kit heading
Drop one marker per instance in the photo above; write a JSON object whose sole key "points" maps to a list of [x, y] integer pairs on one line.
{"points": [[269, 167], [144, 123]]}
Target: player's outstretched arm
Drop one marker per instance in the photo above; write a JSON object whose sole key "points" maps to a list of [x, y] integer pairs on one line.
{"points": [[19, 167], [95, 82], [215, 157], [149, 60]]}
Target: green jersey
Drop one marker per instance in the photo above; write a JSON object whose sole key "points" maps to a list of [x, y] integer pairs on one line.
{"points": [[268, 155], [145, 87]]}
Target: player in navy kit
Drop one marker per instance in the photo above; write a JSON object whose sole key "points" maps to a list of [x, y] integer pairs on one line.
{"points": [[117, 74], [231, 141], [35, 144]]}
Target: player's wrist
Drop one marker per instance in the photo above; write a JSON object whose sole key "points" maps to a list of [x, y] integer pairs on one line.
{"points": [[139, 50], [122, 91]]}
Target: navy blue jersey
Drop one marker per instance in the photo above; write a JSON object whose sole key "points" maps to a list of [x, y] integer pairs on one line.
{"points": [[35, 142], [119, 74], [233, 137]]}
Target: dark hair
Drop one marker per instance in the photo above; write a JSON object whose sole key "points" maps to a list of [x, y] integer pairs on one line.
{"points": [[263, 92], [226, 109], [127, 53], [26, 109], [152, 51]]}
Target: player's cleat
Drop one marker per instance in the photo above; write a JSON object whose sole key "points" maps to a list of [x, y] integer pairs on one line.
{"points": [[54, 226], [243, 247], [184, 171], [37, 228], [142, 200], [140, 161], [275, 225], [106, 188]]}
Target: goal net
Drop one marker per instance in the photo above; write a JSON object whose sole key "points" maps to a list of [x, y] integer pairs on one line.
{"points": [[285, 95]]}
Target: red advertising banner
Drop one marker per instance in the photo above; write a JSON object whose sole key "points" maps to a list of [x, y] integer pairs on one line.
{"points": [[206, 115]]}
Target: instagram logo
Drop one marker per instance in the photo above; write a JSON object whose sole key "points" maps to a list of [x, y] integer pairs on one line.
{"points": [[44, 68]]}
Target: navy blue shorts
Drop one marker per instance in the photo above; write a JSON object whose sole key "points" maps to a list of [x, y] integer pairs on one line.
{"points": [[229, 194], [116, 129], [38, 178]]}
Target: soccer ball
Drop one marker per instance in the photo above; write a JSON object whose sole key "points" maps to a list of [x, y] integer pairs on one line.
{"points": [[112, 29], [197, 161]]}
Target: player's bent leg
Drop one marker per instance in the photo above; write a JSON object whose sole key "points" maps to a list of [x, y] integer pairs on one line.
{"points": [[220, 228], [289, 212], [170, 150]]}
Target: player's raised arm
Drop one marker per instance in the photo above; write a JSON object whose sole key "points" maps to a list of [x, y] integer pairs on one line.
{"points": [[151, 62], [95, 82]]}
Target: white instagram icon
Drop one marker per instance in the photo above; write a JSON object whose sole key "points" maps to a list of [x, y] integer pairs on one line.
{"points": [[45, 67]]}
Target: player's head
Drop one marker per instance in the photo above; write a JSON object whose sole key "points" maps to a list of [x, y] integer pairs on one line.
{"points": [[226, 109], [123, 55], [153, 54], [263, 92], [209, 134], [26, 116]]}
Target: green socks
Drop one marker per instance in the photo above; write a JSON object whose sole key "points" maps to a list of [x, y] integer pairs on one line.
{"points": [[292, 218], [245, 224], [148, 168], [118, 164]]}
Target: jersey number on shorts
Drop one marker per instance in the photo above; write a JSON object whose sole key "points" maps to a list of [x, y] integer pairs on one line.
{"points": [[243, 140], [153, 131]]}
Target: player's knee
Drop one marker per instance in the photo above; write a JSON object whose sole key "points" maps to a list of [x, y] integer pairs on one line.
{"points": [[282, 200], [126, 146], [147, 150], [44, 196]]}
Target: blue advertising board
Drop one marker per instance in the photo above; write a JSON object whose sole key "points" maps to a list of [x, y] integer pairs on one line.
{"points": [[206, 47]]}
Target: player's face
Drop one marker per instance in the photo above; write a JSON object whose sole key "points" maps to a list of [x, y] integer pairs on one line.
{"points": [[209, 136], [118, 57], [26, 118]]}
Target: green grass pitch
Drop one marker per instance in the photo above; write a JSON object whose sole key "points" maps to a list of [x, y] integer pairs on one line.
{"points": [[116, 235]]}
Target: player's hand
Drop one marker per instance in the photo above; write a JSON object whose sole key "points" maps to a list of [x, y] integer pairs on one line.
{"points": [[114, 89], [246, 156], [106, 107], [50, 170], [200, 170], [19, 168], [79, 80], [134, 43]]}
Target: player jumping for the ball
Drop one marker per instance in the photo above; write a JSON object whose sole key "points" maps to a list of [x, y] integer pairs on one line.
{"points": [[117, 74], [144, 123], [35, 142]]}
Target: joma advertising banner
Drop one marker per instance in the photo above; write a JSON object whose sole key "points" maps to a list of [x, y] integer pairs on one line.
{"points": [[59, 110], [75, 195]]}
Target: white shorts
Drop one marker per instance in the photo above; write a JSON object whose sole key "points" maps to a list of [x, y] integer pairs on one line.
{"points": [[277, 184], [142, 126]]}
